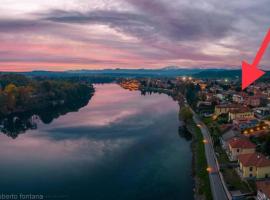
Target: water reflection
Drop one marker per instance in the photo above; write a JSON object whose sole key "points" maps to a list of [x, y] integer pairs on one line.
{"points": [[120, 146], [16, 124]]}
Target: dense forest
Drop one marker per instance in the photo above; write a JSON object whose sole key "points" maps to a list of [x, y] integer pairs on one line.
{"points": [[19, 93]]}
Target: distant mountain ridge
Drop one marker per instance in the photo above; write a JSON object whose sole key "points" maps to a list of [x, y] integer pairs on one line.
{"points": [[169, 71]]}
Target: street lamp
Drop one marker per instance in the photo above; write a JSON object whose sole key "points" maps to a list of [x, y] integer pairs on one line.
{"points": [[209, 169]]}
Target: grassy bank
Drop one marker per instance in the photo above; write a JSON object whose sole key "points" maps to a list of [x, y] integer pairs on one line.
{"points": [[202, 182], [200, 164]]}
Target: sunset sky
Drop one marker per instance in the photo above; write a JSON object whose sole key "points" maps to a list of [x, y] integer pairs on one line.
{"points": [[98, 34]]}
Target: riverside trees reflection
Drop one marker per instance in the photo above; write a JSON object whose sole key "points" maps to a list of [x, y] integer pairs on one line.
{"points": [[25, 101], [15, 124]]}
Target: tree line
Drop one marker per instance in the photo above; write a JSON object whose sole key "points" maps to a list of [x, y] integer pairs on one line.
{"points": [[19, 93]]}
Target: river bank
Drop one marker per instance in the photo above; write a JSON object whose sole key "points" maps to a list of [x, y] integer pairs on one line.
{"points": [[202, 189]]}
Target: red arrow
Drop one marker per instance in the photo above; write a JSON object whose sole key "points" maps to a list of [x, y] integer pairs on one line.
{"points": [[251, 73]]}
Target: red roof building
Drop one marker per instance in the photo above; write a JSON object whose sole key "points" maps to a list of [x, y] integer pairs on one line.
{"points": [[254, 165], [254, 159], [241, 143], [238, 146], [263, 190]]}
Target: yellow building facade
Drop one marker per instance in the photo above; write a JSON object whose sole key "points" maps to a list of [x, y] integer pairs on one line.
{"points": [[241, 115], [235, 152], [239, 146], [254, 166]]}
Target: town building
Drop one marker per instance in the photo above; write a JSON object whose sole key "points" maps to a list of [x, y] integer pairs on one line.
{"points": [[242, 113], [253, 101], [227, 136], [262, 112], [205, 108], [237, 98], [245, 124], [254, 165], [220, 96], [260, 129], [239, 146], [203, 86], [263, 190], [226, 108]]}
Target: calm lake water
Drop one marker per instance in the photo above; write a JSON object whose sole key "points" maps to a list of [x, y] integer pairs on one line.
{"points": [[121, 146]]}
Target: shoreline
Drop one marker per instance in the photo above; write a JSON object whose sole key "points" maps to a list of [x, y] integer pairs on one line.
{"points": [[201, 189]]}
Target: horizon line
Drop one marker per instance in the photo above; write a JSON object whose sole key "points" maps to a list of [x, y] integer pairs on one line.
{"points": [[151, 69]]}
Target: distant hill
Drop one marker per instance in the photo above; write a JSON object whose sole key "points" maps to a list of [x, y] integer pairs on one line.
{"points": [[170, 71], [164, 72], [218, 74], [227, 74], [167, 71]]}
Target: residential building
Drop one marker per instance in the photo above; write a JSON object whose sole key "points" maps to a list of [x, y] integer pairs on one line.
{"points": [[243, 113], [239, 146], [245, 124], [262, 112], [253, 101], [226, 108], [258, 130], [237, 98], [203, 86], [263, 190], [254, 165], [205, 108], [220, 96], [228, 135]]}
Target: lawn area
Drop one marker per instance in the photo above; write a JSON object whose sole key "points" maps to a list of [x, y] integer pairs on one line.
{"points": [[233, 181], [222, 156], [201, 164]]}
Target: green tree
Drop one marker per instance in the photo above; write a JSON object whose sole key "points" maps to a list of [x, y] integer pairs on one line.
{"points": [[186, 114]]}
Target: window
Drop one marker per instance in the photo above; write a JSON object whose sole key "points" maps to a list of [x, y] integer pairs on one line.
{"points": [[238, 150], [250, 175], [266, 176], [250, 169]]}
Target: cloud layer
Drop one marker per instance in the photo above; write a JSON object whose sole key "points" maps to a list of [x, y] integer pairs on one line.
{"points": [[76, 34]]}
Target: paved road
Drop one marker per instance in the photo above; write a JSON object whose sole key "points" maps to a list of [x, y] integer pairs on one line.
{"points": [[217, 187]]}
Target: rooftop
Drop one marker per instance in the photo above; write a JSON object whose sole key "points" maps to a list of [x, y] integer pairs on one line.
{"points": [[254, 159], [264, 187], [241, 110], [242, 143], [229, 106]]}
